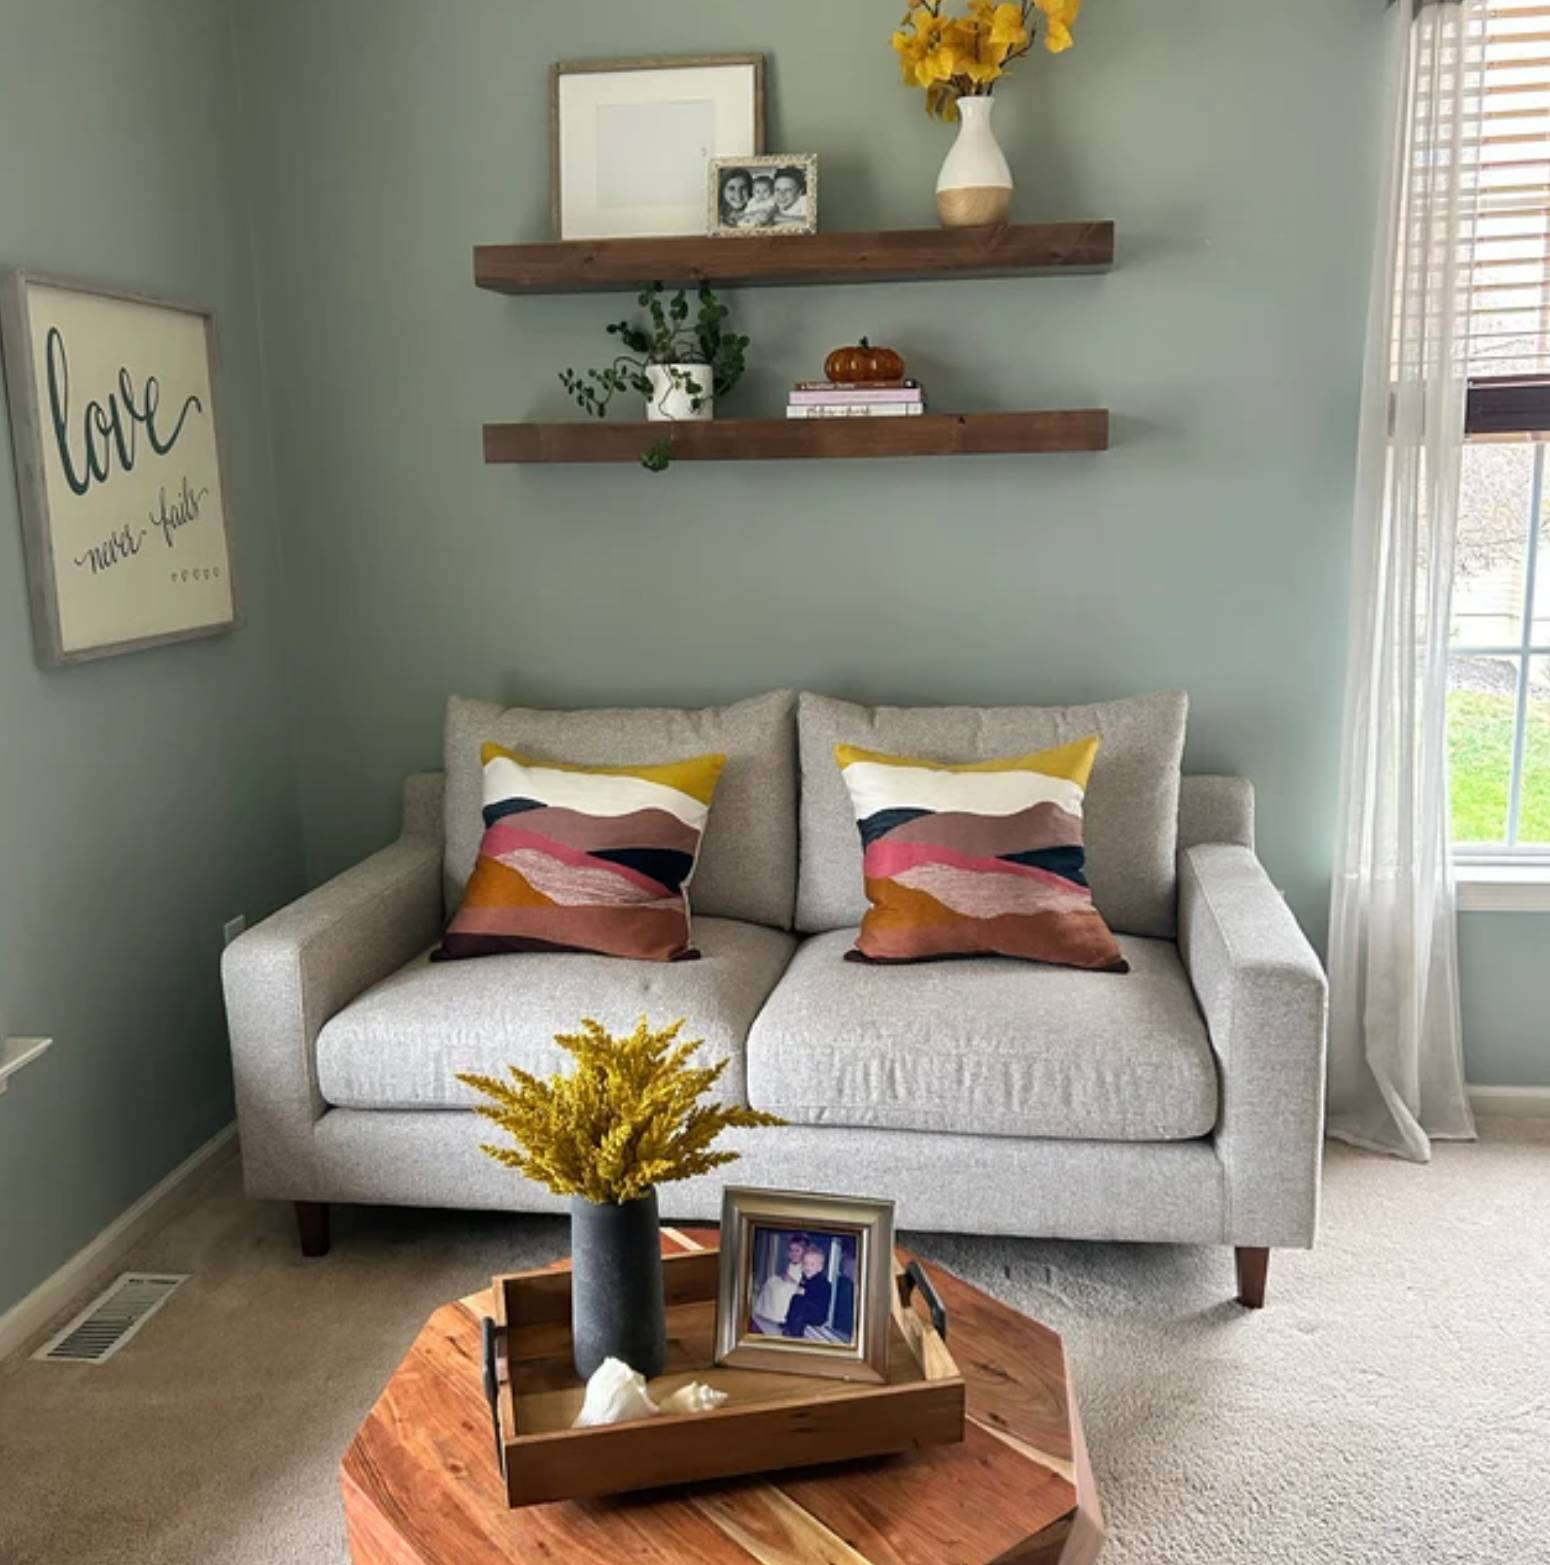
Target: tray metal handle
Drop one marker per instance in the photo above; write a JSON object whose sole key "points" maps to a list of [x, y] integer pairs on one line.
{"points": [[490, 1334], [915, 1277]]}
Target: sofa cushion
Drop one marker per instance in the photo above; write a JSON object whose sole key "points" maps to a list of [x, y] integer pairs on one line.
{"points": [[401, 1044], [747, 864], [979, 859], [1130, 813], [584, 858], [987, 1046]]}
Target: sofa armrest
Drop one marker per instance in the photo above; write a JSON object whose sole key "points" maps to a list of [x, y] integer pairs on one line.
{"points": [[1264, 998], [287, 976]]}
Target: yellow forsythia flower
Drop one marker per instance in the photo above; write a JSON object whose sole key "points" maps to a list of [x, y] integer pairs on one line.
{"points": [[953, 57], [1006, 26], [974, 55], [928, 53], [1059, 16], [626, 1118]]}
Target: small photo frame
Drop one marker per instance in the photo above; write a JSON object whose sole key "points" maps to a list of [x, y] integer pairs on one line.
{"points": [[629, 140], [772, 195], [806, 1283]]}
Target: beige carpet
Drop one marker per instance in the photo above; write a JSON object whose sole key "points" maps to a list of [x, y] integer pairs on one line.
{"points": [[1392, 1404]]}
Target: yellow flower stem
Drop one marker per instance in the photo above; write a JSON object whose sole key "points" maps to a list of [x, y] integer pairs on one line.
{"points": [[1028, 27]]}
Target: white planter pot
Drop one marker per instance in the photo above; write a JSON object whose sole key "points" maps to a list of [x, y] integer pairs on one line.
{"points": [[975, 185], [671, 401]]}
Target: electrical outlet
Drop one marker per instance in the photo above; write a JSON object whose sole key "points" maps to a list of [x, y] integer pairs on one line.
{"points": [[233, 927]]}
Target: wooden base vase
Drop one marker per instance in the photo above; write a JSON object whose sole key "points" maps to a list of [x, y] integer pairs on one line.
{"points": [[617, 1305], [975, 185]]}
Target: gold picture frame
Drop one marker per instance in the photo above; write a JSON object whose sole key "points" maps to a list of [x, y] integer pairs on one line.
{"points": [[775, 215], [771, 1317]]}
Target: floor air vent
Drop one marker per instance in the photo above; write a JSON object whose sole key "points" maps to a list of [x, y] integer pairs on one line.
{"points": [[109, 1321]]}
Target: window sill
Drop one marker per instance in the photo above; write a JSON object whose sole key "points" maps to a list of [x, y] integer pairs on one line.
{"points": [[1503, 888]]}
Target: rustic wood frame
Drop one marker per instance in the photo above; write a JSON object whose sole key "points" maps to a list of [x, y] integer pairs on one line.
{"points": [[649, 63], [742, 1209], [32, 489]]}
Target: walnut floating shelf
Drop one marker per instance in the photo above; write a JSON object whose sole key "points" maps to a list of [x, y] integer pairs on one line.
{"points": [[897, 255], [758, 439]]}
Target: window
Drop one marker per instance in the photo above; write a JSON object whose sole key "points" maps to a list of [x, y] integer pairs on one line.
{"points": [[1499, 662], [1499, 642]]}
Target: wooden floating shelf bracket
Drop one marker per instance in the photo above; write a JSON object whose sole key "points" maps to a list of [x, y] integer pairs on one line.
{"points": [[887, 255], [757, 439]]}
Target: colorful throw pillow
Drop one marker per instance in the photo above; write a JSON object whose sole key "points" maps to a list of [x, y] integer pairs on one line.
{"points": [[984, 858], [584, 858]]}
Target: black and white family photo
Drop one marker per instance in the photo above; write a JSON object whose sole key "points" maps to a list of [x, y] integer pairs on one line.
{"points": [[803, 1285], [768, 194]]}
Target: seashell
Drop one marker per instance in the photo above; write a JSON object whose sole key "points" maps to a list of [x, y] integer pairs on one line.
{"points": [[615, 1395], [696, 1397]]}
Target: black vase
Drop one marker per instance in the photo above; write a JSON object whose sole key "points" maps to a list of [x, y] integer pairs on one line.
{"points": [[616, 1307]]}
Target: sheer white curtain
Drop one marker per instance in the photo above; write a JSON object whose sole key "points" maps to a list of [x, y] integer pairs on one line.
{"points": [[1396, 1056]]}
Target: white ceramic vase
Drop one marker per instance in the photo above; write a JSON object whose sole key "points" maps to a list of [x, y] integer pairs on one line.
{"points": [[671, 401], [975, 185]]}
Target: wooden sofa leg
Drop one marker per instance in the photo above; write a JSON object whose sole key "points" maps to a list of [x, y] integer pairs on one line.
{"points": [[1253, 1264], [312, 1227]]}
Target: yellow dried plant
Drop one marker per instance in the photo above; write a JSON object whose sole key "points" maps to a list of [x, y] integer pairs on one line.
{"points": [[628, 1117]]}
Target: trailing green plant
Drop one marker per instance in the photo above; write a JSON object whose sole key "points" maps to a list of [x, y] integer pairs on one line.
{"points": [[667, 339]]}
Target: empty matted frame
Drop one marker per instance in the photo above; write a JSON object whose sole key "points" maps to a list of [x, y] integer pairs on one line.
{"points": [[742, 1210], [564, 68], [31, 481]]}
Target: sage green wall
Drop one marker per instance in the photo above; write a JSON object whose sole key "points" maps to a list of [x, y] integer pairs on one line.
{"points": [[148, 798], [144, 799], [1234, 146], [1505, 980]]}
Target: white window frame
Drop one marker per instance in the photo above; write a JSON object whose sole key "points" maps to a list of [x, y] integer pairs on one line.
{"points": [[1509, 876], [1514, 124]]}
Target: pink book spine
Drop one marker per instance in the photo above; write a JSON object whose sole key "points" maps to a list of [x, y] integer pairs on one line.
{"points": [[854, 395]]}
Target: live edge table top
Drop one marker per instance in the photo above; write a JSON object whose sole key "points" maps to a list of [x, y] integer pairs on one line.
{"points": [[421, 1486]]}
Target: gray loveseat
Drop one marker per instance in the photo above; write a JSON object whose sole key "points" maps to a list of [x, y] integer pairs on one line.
{"points": [[1181, 1102]]}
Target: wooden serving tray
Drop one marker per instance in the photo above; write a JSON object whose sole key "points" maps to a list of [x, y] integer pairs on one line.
{"points": [[771, 1421]]}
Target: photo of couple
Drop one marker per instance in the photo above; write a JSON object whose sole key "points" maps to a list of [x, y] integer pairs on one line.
{"points": [[769, 193], [804, 1286]]}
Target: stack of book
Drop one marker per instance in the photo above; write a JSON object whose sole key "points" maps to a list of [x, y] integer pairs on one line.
{"points": [[855, 399]]}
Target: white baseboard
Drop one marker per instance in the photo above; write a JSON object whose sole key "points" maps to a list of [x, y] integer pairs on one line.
{"points": [[1515, 1102], [54, 1296]]}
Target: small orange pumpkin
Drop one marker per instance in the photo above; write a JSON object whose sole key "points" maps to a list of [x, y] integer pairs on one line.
{"points": [[863, 362]]}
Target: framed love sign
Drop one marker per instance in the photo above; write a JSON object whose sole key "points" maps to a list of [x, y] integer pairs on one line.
{"points": [[119, 462]]}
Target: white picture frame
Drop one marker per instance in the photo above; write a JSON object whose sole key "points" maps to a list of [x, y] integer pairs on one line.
{"points": [[766, 214], [630, 140], [120, 467]]}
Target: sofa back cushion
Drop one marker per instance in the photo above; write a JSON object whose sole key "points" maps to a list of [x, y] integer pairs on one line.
{"points": [[747, 863], [1130, 813]]}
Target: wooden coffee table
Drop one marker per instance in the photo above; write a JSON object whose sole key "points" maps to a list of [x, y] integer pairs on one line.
{"points": [[421, 1484]]}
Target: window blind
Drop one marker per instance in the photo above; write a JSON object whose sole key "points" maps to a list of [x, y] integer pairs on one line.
{"points": [[1510, 292]]}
